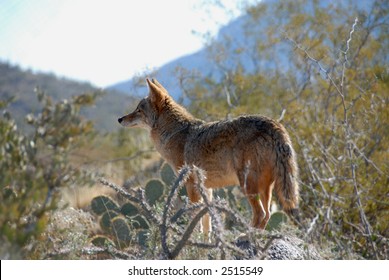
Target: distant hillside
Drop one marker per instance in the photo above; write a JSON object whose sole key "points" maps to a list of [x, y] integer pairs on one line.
{"points": [[236, 45], [20, 84]]}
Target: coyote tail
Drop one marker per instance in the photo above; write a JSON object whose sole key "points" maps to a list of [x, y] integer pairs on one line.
{"points": [[286, 185]]}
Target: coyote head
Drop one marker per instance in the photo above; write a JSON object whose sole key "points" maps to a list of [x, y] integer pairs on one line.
{"points": [[149, 108]]}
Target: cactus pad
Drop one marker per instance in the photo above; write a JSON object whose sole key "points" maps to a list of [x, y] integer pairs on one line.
{"points": [[102, 203], [120, 229], [276, 219], [139, 222], [101, 241], [142, 237], [129, 209], [105, 220], [154, 191], [167, 174]]}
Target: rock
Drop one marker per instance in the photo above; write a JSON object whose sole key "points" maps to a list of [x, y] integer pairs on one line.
{"points": [[287, 247]]}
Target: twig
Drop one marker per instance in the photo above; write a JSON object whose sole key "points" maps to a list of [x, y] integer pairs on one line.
{"points": [[282, 115], [185, 209], [182, 178], [346, 51], [323, 70], [188, 232], [312, 224], [267, 245]]}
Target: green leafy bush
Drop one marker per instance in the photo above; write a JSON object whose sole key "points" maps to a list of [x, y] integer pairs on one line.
{"points": [[35, 166]]}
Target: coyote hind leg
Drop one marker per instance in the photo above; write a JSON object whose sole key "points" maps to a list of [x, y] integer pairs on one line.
{"points": [[258, 192], [259, 213], [265, 198]]}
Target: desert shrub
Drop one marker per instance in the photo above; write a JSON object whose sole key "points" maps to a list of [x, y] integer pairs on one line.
{"points": [[35, 166]]}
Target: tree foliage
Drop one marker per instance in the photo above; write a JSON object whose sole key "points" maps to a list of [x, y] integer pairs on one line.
{"points": [[35, 167]]}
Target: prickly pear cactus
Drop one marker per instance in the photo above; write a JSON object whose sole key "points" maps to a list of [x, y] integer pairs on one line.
{"points": [[123, 224], [105, 220], [139, 222], [128, 209], [154, 191], [101, 241], [142, 237], [167, 174], [121, 230], [276, 219], [220, 193], [102, 203], [182, 192]]}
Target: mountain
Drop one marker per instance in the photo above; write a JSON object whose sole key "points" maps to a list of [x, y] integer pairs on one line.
{"points": [[20, 84], [137, 87], [237, 45]]}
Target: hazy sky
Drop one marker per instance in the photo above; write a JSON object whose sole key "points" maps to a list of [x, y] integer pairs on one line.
{"points": [[104, 42]]}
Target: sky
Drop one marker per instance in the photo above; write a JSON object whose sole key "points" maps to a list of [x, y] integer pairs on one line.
{"points": [[106, 41]]}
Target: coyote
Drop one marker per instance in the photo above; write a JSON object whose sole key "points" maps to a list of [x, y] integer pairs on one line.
{"points": [[254, 152]]}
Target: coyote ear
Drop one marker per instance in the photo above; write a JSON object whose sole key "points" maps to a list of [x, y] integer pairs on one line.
{"points": [[150, 84], [159, 85], [155, 83], [157, 95]]}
